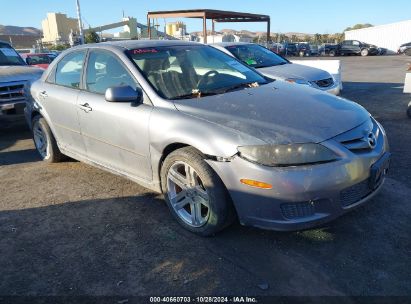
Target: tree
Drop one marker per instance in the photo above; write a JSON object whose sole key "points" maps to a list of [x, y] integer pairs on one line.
{"points": [[92, 37], [325, 38], [307, 38], [59, 47], [358, 26]]}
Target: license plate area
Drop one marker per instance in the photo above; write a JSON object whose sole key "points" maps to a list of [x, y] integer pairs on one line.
{"points": [[378, 170]]}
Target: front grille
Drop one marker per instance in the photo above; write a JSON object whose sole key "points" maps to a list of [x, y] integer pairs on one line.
{"points": [[324, 83], [355, 193], [11, 92], [297, 210], [358, 139]]}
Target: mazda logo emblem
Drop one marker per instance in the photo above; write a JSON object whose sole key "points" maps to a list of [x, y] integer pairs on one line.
{"points": [[372, 141]]}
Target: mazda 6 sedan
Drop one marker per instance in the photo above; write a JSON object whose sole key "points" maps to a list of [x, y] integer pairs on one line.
{"points": [[219, 139]]}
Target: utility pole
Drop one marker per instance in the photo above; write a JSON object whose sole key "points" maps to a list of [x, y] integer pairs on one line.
{"points": [[80, 24]]}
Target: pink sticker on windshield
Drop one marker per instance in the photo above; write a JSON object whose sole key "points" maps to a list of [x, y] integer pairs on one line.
{"points": [[144, 51]]}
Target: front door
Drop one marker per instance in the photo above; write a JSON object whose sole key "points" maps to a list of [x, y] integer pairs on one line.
{"points": [[115, 133]]}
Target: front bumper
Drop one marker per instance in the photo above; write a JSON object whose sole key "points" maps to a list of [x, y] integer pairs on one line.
{"points": [[301, 197], [12, 108], [334, 89]]}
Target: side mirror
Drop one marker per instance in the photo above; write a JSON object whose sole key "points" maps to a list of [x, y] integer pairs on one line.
{"points": [[124, 94]]}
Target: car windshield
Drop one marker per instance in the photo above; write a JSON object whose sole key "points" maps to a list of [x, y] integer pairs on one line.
{"points": [[38, 59], [256, 56], [8, 56], [189, 71]]}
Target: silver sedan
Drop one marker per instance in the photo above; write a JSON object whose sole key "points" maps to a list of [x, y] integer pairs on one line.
{"points": [[273, 65], [220, 140]]}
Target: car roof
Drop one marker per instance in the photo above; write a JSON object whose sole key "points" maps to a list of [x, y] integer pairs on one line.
{"points": [[34, 54], [133, 44]]}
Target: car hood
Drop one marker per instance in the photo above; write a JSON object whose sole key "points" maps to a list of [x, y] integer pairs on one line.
{"points": [[19, 73], [278, 113], [294, 70]]}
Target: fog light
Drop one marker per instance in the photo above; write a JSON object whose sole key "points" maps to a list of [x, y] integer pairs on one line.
{"points": [[255, 184]]}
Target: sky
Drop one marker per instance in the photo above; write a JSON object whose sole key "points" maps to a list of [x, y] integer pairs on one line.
{"points": [[294, 16]]}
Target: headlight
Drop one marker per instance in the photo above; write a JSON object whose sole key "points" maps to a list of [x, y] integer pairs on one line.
{"points": [[299, 81], [287, 155]]}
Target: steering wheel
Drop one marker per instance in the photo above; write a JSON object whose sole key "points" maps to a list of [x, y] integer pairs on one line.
{"points": [[205, 78]]}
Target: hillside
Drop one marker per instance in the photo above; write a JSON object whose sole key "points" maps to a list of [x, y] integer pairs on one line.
{"points": [[18, 30]]}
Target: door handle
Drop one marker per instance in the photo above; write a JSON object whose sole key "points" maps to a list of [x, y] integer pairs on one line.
{"points": [[86, 107], [43, 94]]}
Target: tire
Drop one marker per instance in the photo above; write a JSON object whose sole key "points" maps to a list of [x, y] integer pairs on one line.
{"points": [[364, 52], [201, 190], [331, 53], [409, 111], [44, 141]]}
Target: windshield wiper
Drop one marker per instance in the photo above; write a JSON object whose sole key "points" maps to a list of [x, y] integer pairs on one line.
{"points": [[240, 85], [194, 94], [198, 94]]}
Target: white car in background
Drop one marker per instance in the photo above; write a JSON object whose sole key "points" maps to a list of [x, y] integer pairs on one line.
{"points": [[273, 65]]}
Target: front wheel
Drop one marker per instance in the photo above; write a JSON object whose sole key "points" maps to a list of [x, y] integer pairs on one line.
{"points": [[194, 193], [364, 52], [332, 53], [44, 141]]}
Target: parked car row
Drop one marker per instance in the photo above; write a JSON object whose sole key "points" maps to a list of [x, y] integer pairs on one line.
{"points": [[347, 47]]}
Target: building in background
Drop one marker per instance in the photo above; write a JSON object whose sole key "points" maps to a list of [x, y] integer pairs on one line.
{"points": [[57, 28], [389, 36], [178, 30]]}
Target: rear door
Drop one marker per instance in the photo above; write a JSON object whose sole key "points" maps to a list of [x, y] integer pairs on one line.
{"points": [[58, 96], [115, 133]]}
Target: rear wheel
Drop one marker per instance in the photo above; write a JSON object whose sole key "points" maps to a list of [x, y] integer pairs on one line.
{"points": [[194, 193], [44, 141], [364, 52]]}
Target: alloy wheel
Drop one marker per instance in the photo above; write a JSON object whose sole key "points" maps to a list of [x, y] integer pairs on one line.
{"points": [[40, 140], [187, 194]]}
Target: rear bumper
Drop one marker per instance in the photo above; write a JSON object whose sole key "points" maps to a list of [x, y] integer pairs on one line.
{"points": [[373, 51]]}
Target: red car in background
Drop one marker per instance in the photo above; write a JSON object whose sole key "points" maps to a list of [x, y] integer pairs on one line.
{"points": [[41, 60]]}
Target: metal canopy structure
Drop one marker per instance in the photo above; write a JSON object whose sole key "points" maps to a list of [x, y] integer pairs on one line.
{"points": [[213, 15]]}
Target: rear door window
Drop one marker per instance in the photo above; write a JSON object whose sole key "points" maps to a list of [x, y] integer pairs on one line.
{"points": [[69, 70]]}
